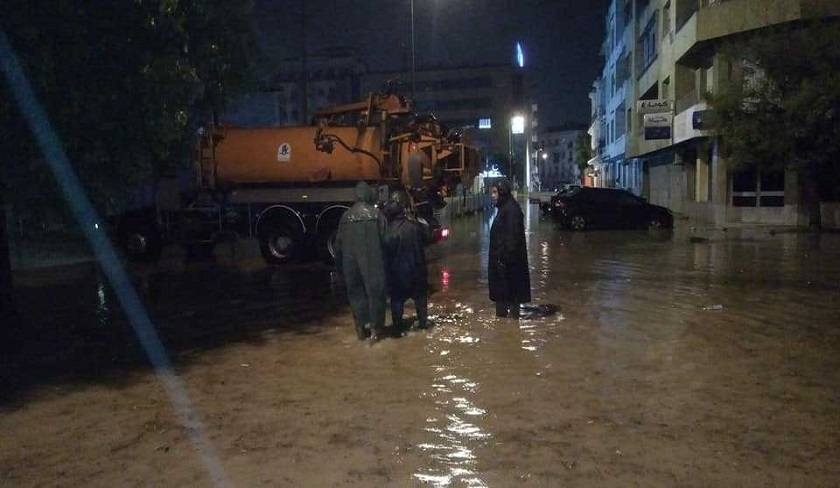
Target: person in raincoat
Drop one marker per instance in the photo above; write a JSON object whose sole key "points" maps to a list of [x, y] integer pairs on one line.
{"points": [[360, 260], [507, 265], [405, 265]]}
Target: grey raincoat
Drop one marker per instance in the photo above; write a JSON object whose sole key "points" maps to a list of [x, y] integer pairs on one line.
{"points": [[360, 259]]}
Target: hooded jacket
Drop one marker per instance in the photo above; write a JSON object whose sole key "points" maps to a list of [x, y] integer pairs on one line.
{"points": [[507, 267], [360, 258], [361, 235], [405, 256]]}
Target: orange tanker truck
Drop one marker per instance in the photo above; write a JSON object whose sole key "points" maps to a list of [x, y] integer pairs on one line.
{"points": [[289, 186]]}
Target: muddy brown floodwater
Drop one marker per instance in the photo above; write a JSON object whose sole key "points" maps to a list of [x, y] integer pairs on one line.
{"points": [[694, 358]]}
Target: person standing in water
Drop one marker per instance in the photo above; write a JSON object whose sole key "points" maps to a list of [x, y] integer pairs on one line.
{"points": [[507, 264]]}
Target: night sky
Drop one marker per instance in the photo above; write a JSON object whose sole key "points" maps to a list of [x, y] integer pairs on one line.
{"points": [[561, 38]]}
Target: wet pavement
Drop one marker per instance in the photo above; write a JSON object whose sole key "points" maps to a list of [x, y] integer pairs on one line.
{"points": [[696, 357]]}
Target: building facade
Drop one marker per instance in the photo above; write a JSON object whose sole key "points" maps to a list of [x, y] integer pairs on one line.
{"points": [[660, 57], [331, 78], [555, 159], [611, 168]]}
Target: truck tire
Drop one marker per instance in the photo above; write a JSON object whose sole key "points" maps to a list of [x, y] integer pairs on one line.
{"points": [[280, 246], [326, 246], [141, 244]]}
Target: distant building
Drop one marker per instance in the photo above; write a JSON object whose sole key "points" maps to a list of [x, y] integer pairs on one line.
{"points": [[609, 96], [597, 133], [480, 101], [332, 78], [555, 159]]}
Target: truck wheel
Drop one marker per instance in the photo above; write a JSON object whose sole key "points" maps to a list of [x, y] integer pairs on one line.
{"points": [[142, 244], [279, 246], [326, 246]]}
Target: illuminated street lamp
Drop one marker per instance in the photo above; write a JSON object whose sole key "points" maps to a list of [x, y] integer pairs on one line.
{"points": [[517, 124], [541, 168]]}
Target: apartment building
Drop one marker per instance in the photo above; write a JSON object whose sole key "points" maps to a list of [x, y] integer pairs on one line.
{"points": [[611, 167], [555, 160], [291, 90], [648, 127]]}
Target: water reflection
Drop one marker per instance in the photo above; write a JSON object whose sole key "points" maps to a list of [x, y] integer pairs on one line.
{"points": [[484, 240], [628, 350], [456, 429], [444, 279], [103, 310]]}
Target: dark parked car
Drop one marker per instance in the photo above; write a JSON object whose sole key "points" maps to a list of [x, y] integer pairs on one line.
{"points": [[608, 208], [545, 206]]}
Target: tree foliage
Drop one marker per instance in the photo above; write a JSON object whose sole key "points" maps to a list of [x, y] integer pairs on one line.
{"points": [[781, 107], [583, 152], [124, 83]]}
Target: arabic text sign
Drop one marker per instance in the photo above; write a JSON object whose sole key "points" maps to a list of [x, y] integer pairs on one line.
{"points": [[658, 126], [654, 106]]}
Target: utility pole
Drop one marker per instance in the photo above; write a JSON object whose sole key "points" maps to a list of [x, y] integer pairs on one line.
{"points": [[412, 50], [303, 73]]}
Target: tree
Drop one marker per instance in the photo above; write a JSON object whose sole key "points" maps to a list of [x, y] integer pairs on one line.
{"points": [[7, 303], [583, 153], [781, 109], [124, 83]]}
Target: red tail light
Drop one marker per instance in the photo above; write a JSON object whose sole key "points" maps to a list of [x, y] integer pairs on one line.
{"points": [[444, 233]]}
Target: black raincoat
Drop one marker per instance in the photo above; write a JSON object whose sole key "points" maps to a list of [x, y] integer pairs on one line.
{"points": [[406, 259], [360, 259], [406, 268], [507, 267]]}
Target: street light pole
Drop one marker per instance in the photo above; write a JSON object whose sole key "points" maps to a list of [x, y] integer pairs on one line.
{"points": [[412, 50], [510, 153], [517, 126]]}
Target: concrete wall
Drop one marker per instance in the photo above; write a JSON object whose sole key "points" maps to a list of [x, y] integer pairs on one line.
{"points": [[659, 192], [830, 215]]}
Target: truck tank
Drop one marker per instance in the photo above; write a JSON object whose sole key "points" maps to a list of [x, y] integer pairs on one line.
{"points": [[288, 155]]}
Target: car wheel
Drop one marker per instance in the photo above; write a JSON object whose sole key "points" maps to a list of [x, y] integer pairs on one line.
{"points": [[577, 222]]}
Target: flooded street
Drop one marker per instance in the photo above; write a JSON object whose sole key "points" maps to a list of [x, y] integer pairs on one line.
{"points": [[688, 358]]}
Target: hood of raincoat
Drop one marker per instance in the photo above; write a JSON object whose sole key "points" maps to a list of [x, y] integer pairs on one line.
{"points": [[504, 186], [396, 205], [364, 193]]}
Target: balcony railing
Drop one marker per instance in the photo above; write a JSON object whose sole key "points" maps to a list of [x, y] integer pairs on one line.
{"points": [[686, 13], [686, 101]]}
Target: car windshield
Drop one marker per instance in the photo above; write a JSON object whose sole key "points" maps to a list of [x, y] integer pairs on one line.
{"points": [[626, 198], [571, 191]]}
